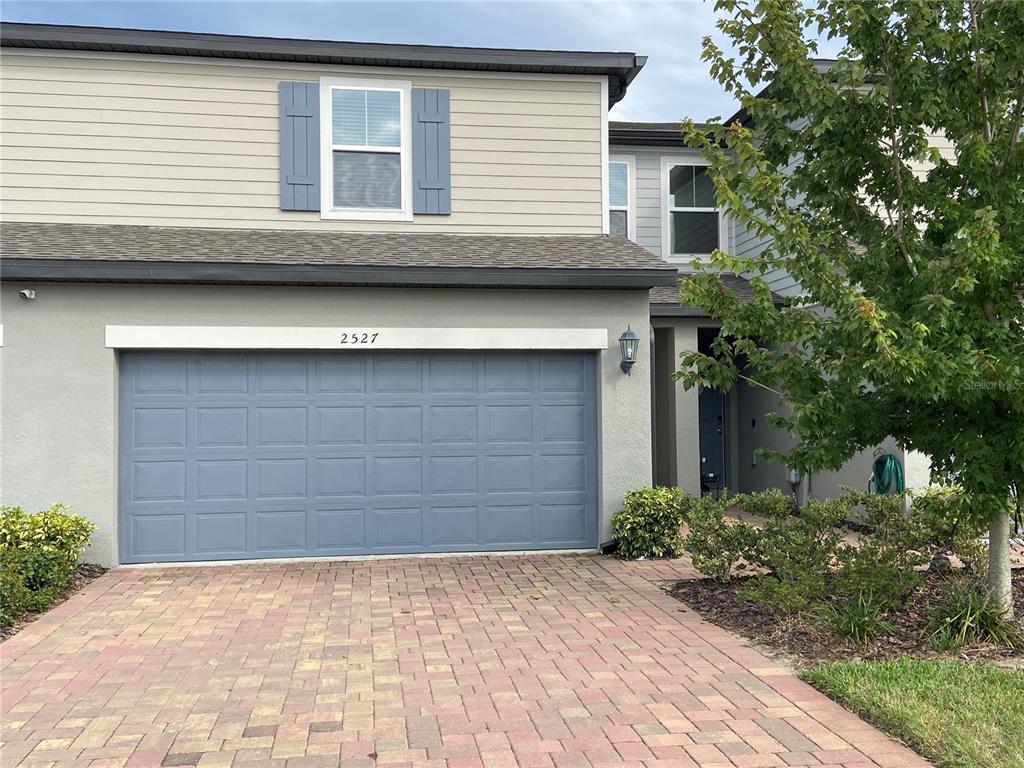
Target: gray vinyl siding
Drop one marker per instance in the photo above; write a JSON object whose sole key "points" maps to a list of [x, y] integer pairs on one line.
{"points": [[648, 201], [651, 205]]}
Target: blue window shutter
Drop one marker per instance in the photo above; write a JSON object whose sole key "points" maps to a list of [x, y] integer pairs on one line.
{"points": [[431, 151], [300, 146]]}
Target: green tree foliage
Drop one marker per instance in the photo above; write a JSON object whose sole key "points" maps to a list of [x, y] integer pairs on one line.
{"points": [[911, 260]]}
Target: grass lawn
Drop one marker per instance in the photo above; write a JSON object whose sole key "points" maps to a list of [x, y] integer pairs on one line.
{"points": [[957, 715]]}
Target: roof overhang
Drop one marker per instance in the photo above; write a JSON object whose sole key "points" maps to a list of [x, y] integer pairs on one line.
{"points": [[619, 67], [648, 134], [668, 310], [100, 271]]}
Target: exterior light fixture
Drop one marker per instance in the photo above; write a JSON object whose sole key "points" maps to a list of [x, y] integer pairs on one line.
{"points": [[629, 343]]}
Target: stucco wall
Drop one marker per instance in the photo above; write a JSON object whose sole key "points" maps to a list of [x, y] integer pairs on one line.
{"points": [[58, 382], [757, 474]]}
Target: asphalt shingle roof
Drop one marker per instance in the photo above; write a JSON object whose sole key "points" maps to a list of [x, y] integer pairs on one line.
{"points": [[84, 242], [669, 297]]}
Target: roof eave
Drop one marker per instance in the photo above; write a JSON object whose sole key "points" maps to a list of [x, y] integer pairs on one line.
{"points": [[76, 270], [620, 67]]}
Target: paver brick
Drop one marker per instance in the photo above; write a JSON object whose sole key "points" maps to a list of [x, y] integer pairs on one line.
{"points": [[539, 661]]}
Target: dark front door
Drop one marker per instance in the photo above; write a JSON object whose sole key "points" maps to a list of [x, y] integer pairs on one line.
{"points": [[712, 404]]}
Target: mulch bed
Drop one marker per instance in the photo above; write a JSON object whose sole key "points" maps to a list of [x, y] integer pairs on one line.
{"points": [[801, 641], [84, 573]]}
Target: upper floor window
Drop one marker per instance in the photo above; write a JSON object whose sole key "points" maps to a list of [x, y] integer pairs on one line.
{"points": [[694, 226], [620, 190], [366, 170]]}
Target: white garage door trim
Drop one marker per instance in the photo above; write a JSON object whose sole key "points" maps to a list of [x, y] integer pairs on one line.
{"points": [[306, 337]]}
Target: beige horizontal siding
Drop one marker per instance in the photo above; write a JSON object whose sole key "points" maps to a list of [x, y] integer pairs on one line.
{"points": [[174, 141]]}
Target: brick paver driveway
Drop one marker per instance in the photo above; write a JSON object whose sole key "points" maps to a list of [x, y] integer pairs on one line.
{"points": [[499, 661]]}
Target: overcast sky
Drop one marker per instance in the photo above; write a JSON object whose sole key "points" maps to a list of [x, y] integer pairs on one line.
{"points": [[673, 84]]}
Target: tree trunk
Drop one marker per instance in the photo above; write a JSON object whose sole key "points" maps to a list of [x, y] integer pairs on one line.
{"points": [[999, 580]]}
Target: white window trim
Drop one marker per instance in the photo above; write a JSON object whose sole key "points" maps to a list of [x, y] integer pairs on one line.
{"points": [[630, 207], [667, 164], [327, 147]]}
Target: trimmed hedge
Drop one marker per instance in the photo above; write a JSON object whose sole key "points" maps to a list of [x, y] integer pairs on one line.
{"points": [[38, 555]]}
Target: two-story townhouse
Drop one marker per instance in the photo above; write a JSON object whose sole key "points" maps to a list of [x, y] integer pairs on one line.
{"points": [[662, 199], [274, 298]]}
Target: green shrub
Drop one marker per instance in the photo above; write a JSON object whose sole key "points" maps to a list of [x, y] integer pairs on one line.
{"points": [[38, 555], [650, 523], [15, 597], [781, 597], [965, 616], [717, 544], [766, 504], [883, 562], [861, 619], [955, 527], [798, 554]]}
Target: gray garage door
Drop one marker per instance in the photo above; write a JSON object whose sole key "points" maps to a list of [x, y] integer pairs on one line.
{"points": [[248, 455]]}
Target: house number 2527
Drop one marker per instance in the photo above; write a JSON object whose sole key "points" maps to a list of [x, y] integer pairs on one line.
{"points": [[358, 338]]}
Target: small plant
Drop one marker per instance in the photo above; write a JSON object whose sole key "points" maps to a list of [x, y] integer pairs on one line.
{"points": [[785, 598], [766, 504], [954, 525], [650, 523], [716, 543], [967, 617], [861, 619], [38, 555]]}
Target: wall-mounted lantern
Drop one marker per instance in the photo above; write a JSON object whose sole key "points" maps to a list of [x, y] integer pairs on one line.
{"points": [[629, 343]]}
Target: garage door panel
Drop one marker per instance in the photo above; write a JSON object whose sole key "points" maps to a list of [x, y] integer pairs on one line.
{"points": [[340, 425], [452, 526], [398, 425], [453, 375], [508, 525], [157, 536], [562, 523], [221, 426], [508, 375], [339, 476], [398, 527], [221, 375], [340, 530], [160, 427], [281, 426], [159, 481], [248, 455], [508, 423], [341, 375], [281, 478], [222, 534], [562, 375], [280, 531], [454, 424], [398, 375], [222, 479], [281, 375], [563, 473], [453, 475], [161, 376]]}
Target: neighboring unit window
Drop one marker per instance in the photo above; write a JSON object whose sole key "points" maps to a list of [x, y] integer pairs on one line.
{"points": [[618, 198], [693, 214], [367, 144]]}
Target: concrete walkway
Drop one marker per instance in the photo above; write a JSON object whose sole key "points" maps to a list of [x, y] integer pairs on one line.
{"points": [[500, 661]]}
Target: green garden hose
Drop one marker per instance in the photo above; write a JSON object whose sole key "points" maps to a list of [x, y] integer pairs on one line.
{"points": [[887, 472]]}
